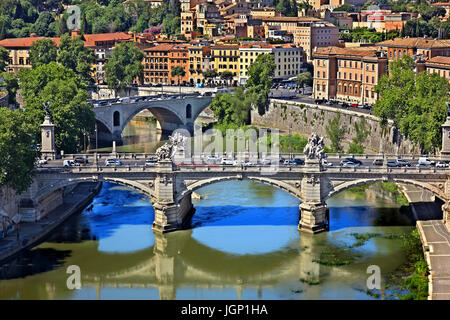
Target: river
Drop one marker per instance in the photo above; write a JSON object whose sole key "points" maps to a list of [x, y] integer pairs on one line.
{"points": [[243, 244]]}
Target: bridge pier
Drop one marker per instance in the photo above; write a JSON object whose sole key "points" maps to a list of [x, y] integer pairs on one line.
{"points": [[313, 217], [446, 214]]}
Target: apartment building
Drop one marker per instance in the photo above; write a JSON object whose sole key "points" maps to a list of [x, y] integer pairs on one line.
{"points": [[19, 52], [225, 58], [415, 48], [439, 65], [199, 56], [348, 74]]}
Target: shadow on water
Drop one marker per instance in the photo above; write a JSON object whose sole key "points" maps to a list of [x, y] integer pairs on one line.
{"points": [[33, 261]]}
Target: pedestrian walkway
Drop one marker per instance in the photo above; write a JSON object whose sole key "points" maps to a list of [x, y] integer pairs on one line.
{"points": [[30, 233], [436, 244]]}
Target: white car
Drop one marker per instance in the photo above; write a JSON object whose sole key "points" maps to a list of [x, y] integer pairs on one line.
{"points": [[325, 163], [229, 162], [442, 164]]}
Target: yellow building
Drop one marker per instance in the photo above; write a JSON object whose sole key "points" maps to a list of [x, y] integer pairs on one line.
{"points": [[225, 58], [197, 63]]}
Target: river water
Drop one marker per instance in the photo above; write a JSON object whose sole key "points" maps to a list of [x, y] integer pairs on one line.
{"points": [[243, 244]]}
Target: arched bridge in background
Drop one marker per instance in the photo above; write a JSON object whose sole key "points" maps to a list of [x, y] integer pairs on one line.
{"points": [[171, 114]]}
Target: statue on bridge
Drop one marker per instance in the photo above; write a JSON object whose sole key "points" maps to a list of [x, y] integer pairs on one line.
{"points": [[314, 147], [177, 142]]}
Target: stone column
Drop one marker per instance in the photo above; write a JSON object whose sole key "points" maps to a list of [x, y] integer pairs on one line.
{"points": [[446, 214], [171, 211], [313, 211], [48, 150], [446, 137]]}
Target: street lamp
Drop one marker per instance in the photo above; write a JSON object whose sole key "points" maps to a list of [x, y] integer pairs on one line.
{"points": [[96, 137]]}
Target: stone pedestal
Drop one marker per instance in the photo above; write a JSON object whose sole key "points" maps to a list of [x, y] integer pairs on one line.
{"points": [[313, 217], [173, 216], [446, 138], [48, 150]]}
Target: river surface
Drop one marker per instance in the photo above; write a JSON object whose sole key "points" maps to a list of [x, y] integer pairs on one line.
{"points": [[243, 244]]}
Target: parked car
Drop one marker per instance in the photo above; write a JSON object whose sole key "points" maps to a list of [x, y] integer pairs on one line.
{"points": [[350, 164], [442, 164], [70, 163], [112, 162], [403, 163], [352, 160], [227, 162], [151, 162], [378, 162], [81, 160], [212, 159], [299, 161], [425, 160], [391, 163]]}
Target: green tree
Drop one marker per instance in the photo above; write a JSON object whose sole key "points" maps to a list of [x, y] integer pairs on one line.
{"points": [[12, 85], [124, 66], [74, 55], [258, 85], [43, 51], [17, 154], [44, 25], [361, 134], [304, 78], [4, 56], [335, 133], [416, 104], [231, 108], [70, 112], [210, 74], [178, 72], [227, 76], [345, 7]]}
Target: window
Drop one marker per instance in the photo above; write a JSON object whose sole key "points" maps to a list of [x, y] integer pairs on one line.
{"points": [[116, 119]]}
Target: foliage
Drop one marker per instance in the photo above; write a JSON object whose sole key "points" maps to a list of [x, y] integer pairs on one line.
{"points": [[17, 154], [294, 143], [366, 35], [124, 65], [231, 108], [171, 24], [74, 55], [335, 133], [416, 104], [259, 82], [12, 85], [361, 133], [304, 78], [44, 25], [70, 112], [287, 8], [211, 73], [4, 56], [346, 7], [43, 51]]}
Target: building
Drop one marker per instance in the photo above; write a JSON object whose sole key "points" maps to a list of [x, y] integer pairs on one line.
{"points": [[19, 52], [161, 59], [348, 74], [439, 65], [225, 58], [199, 56], [287, 58], [415, 48]]}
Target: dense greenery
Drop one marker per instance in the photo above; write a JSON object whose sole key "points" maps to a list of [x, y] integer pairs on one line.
{"points": [[70, 112], [124, 66], [12, 85], [17, 154], [4, 56], [42, 52], [304, 79], [335, 132], [361, 133], [287, 8], [416, 104], [231, 108], [366, 35]]}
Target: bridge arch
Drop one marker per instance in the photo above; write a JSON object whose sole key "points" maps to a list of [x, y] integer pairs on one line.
{"points": [[46, 190], [438, 191], [268, 181]]}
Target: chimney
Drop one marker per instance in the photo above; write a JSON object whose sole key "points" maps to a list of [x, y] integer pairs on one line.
{"points": [[75, 33]]}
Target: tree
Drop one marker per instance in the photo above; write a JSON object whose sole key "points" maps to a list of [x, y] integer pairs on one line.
{"points": [[17, 155], [124, 66], [227, 76], [335, 133], [70, 112], [210, 74], [231, 108], [12, 85], [74, 55], [416, 104], [345, 7], [4, 57], [179, 72], [361, 134], [259, 82], [303, 79], [44, 25], [43, 51]]}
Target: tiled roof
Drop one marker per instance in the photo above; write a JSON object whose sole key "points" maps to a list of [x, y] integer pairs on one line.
{"points": [[168, 47], [440, 60], [116, 36], [415, 43], [357, 51], [24, 42], [290, 19]]}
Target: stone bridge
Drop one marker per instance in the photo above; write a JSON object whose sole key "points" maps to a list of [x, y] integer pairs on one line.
{"points": [[171, 114], [170, 186]]}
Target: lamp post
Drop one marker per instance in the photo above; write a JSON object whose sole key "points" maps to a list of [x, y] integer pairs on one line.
{"points": [[96, 137]]}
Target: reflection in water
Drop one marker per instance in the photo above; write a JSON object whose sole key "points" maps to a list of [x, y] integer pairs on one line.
{"points": [[247, 249]]}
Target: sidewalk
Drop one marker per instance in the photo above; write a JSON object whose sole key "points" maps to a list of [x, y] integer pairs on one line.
{"points": [[33, 232], [436, 244]]}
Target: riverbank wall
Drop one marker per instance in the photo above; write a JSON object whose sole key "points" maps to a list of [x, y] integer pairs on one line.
{"points": [[29, 234], [304, 118]]}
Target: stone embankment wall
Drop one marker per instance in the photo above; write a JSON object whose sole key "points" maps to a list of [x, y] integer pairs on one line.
{"points": [[307, 118], [9, 201]]}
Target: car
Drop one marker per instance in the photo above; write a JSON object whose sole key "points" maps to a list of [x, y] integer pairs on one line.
{"points": [[392, 163], [249, 164], [426, 160], [288, 162], [70, 163], [299, 161], [352, 160], [423, 165], [110, 162], [81, 160], [403, 163], [265, 162], [360, 106], [442, 164], [377, 162], [350, 164], [212, 159], [325, 163], [42, 162], [227, 162], [151, 162]]}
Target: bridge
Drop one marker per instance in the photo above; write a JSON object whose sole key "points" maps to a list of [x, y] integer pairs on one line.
{"points": [[170, 113], [170, 185]]}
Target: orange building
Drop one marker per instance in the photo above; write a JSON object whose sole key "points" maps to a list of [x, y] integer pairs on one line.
{"points": [[415, 47]]}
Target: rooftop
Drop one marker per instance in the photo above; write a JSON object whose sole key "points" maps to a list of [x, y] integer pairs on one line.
{"points": [[24, 42], [415, 43], [440, 60], [353, 51], [116, 36]]}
